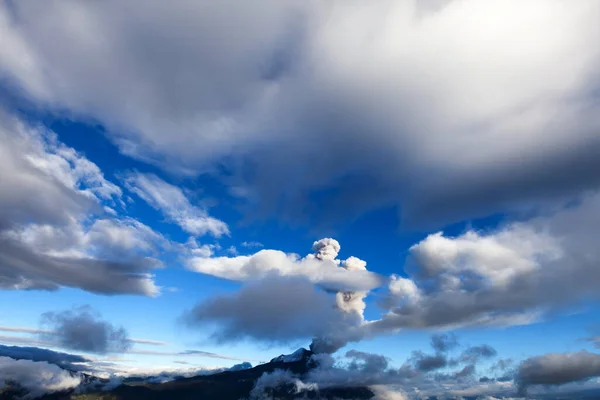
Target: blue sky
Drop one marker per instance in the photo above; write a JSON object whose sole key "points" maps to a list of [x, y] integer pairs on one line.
{"points": [[434, 162], [157, 318]]}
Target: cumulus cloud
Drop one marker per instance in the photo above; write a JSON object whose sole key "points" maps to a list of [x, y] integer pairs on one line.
{"points": [[173, 203], [508, 276], [53, 230], [558, 369], [38, 378], [507, 85], [82, 329], [320, 267]]}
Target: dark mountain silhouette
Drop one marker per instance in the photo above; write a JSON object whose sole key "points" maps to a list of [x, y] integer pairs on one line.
{"points": [[228, 385]]}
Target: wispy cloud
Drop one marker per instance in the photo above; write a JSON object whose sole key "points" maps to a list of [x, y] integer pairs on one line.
{"points": [[175, 205]]}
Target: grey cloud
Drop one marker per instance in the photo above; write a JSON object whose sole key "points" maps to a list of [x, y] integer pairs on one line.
{"points": [[468, 371], [48, 191], [274, 309], [421, 376], [291, 106], [22, 340], [503, 364], [63, 360], [558, 368], [201, 353], [22, 268], [428, 362], [444, 342], [475, 353], [510, 276], [367, 362], [82, 329]]}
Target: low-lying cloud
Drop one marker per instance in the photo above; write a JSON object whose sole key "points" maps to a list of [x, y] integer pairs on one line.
{"points": [[38, 378]]}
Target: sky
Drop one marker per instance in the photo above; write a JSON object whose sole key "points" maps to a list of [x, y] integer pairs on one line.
{"points": [[193, 185]]}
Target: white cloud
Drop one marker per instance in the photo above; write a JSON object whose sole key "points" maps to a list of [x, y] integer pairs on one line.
{"points": [[171, 201], [53, 229], [512, 275], [449, 111], [320, 268], [38, 378]]}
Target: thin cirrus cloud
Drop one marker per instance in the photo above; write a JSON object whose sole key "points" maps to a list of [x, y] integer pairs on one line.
{"points": [[37, 331], [450, 112], [176, 207]]}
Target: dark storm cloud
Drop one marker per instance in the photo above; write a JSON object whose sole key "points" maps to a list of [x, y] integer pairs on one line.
{"points": [[558, 368], [82, 329], [63, 360]]}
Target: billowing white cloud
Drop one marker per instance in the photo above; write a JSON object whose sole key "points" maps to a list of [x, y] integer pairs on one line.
{"points": [[449, 111], [321, 267], [171, 201], [511, 275]]}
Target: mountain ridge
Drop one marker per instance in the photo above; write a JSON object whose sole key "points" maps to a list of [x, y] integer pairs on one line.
{"points": [[225, 385]]}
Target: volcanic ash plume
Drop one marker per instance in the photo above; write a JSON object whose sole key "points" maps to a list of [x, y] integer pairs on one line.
{"points": [[326, 249], [351, 304], [352, 301]]}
